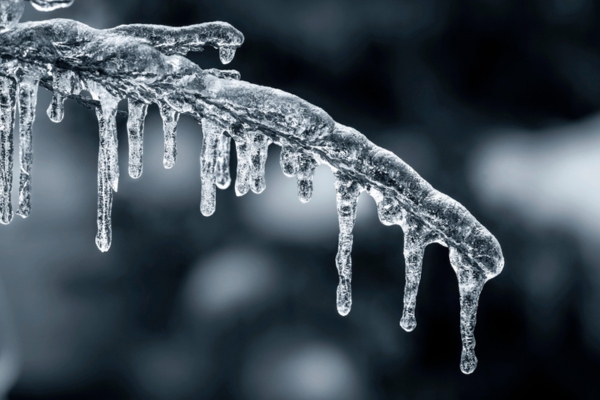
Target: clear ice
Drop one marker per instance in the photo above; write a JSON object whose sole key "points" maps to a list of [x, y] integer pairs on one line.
{"points": [[145, 64]]}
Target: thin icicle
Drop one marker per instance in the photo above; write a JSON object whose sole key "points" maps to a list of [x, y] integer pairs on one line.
{"points": [[259, 148], [222, 167], [414, 249], [289, 160], [306, 169], [64, 83], [347, 192], [170, 118], [470, 284], [7, 119], [135, 130], [208, 162], [27, 87]]}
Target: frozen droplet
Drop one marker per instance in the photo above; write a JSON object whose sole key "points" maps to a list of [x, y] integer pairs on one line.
{"points": [[226, 54]]}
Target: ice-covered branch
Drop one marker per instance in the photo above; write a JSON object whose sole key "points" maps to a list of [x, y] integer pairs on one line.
{"points": [[143, 64]]}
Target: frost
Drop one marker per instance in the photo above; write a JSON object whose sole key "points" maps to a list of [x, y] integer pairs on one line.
{"points": [[144, 64]]}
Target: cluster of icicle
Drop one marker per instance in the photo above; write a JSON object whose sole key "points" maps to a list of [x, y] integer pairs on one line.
{"points": [[145, 64]]}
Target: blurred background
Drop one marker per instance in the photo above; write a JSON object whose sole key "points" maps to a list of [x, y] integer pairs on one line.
{"points": [[494, 102]]}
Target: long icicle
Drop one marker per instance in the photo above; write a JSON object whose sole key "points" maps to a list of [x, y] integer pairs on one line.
{"points": [[170, 118], [7, 120], [259, 148], [107, 167], [222, 168], [414, 249], [28, 87], [135, 135], [347, 192], [208, 161], [470, 284]]}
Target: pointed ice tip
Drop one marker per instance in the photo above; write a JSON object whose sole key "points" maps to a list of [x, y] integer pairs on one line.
{"points": [[226, 54], [408, 324], [6, 218], [468, 362], [103, 245], [23, 213], [343, 310]]}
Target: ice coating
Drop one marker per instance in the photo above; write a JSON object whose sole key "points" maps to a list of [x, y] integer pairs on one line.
{"points": [[170, 118], [8, 88], [145, 66], [135, 134], [10, 13], [27, 88], [347, 192]]}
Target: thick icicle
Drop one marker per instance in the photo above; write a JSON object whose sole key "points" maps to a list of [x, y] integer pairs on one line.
{"points": [[108, 166], [414, 249], [222, 168], [242, 178], [470, 284], [306, 169], [7, 120], [208, 162], [170, 118], [289, 160], [347, 192], [27, 86], [135, 130], [259, 148]]}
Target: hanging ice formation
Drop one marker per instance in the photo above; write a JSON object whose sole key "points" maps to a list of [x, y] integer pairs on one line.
{"points": [[145, 64]]}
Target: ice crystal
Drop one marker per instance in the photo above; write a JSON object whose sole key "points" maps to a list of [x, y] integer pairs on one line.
{"points": [[145, 64]]}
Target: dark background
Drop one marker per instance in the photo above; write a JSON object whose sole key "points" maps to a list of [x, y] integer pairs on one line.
{"points": [[492, 101]]}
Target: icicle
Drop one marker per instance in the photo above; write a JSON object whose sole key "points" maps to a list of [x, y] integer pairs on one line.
{"points": [[27, 86], [470, 284], [63, 83], [108, 165], [347, 192], [135, 129], [7, 120], [222, 167], [208, 161], [414, 249], [259, 148], [242, 179], [170, 118], [289, 160], [106, 115], [306, 169], [226, 54]]}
